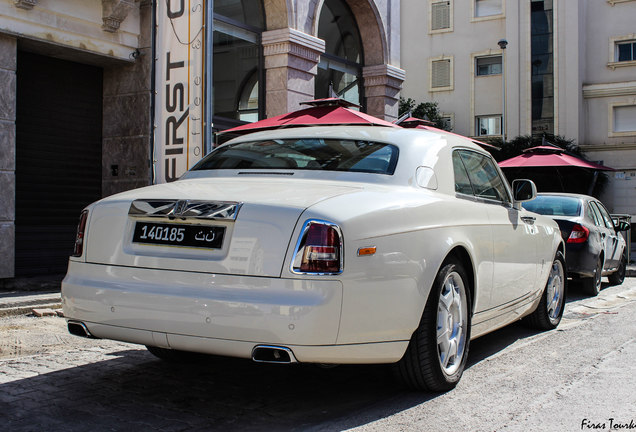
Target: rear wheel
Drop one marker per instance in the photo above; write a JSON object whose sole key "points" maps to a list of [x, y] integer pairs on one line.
{"points": [[548, 313], [592, 285], [618, 276], [437, 353]]}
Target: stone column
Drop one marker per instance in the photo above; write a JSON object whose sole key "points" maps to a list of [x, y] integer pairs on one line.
{"points": [[382, 85], [8, 65], [126, 130], [291, 65]]}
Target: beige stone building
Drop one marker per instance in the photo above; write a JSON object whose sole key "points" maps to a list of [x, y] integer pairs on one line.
{"points": [[569, 68], [76, 95]]}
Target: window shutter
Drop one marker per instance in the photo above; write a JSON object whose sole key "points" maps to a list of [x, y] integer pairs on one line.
{"points": [[440, 72], [625, 118], [440, 15], [488, 7]]}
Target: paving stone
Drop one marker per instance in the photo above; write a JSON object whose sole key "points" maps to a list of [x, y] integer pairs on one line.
{"points": [[44, 312]]}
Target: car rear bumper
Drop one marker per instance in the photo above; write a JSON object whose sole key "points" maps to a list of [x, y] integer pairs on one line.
{"points": [[215, 314], [581, 261]]}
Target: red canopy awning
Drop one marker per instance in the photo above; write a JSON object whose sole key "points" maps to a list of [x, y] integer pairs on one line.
{"points": [[413, 122], [546, 156], [329, 111]]}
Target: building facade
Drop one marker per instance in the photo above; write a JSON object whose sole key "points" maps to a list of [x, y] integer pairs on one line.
{"points": [[77, 94], [510, 68]]}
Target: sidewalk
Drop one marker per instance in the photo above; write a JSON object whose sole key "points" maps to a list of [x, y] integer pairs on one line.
{"points": [[23, 302], [21, 295]]}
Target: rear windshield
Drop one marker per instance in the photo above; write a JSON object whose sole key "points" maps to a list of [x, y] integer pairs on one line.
{"points": [[554, 205], [304, 154]]}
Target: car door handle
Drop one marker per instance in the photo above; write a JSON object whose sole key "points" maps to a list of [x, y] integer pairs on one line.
{"points": [[528, 219]]}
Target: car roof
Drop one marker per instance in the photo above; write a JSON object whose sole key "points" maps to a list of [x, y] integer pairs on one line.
{"points": [[400, 137]]}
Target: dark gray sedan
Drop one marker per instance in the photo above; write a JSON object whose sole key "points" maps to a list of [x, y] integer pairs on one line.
{"points": [[594, 245]]}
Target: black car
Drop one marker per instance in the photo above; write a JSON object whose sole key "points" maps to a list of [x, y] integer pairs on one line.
{"points": [[594, 246]]}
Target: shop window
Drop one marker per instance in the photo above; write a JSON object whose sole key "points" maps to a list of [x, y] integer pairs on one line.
{"points": [[237, 62], [248, 103], [488, 65], [340, 67], [246, 12], [488, 125]]}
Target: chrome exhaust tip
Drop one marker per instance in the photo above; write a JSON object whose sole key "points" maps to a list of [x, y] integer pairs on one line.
{"points": [[273, 354], [78, 328]]}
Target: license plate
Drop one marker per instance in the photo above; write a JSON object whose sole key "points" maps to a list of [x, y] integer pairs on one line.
{"points": [[199, 236]]}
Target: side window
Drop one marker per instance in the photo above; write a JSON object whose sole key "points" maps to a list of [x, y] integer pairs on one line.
{"points": [[462, 183], [606, 216], [596, 216], [484, 177]]}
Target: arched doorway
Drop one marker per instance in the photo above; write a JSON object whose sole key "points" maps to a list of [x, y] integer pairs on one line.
{"points": [[340, 67]]}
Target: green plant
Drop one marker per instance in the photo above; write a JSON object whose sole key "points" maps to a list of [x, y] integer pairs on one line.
{"points": [[425, 111]]}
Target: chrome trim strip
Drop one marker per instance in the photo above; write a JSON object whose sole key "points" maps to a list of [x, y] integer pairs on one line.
{"points": [[184, 209]]}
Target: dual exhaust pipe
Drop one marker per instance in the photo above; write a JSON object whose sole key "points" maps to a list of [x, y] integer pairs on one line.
{"points": [[260, 353], [78, 328], [273, 354]]}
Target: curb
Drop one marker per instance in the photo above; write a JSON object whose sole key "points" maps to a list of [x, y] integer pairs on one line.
{"points": [[16, 303]]}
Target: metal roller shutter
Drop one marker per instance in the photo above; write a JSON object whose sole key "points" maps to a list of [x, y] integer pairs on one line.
{"points": [[58, 158]]}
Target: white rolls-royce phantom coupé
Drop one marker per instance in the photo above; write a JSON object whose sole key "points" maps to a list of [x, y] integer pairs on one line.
{"points": [[327, 245]]}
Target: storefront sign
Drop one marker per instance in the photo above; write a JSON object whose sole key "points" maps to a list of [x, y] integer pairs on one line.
{"points": [[179, 66]]}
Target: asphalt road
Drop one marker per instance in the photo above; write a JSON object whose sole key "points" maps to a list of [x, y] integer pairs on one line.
{"points": [[579, 377]]}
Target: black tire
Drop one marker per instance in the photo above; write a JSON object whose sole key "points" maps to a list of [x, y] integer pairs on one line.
{"points": [[592, 285], [174, 356], [421, 366], [549, 311], [618, 276]]}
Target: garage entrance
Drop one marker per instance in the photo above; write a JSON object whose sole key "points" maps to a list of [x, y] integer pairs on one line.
{"points": [[58, 158]]}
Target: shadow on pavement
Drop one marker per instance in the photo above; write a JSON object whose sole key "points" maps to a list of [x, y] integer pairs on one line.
{"points": [[134, 390]]}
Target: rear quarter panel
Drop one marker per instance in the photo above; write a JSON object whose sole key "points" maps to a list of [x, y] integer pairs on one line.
{"points": [[413, 231]]}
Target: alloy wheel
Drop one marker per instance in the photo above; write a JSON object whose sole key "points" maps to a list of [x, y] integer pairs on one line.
{"points": [[555, 290], [452, 313]]}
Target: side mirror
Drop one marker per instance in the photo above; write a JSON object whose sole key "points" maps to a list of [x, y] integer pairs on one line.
{"points": [[623, 226], [523, 190]]}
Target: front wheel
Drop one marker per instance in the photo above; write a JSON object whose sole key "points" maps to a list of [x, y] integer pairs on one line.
{"points": [[548, 313], [437, 353]]}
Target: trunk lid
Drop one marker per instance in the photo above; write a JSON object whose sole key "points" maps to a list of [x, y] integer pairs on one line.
{"points": [[229, 226]]}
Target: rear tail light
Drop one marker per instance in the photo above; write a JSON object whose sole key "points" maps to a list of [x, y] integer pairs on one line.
{"points": [[79, 237], [319, 249], [579, 234]]}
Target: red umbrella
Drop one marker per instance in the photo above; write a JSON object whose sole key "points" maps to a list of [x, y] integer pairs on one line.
{"points": [[329, 111], [546, 156]]}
